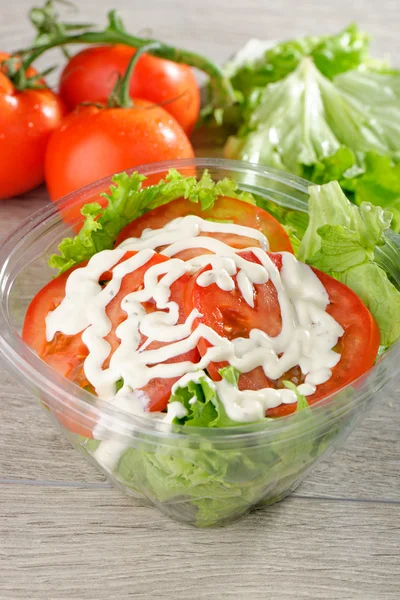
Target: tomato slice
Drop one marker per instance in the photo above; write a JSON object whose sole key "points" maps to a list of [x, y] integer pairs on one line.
{"points": [[157, 390], [66, 353], [224, 209], [230, 316]]}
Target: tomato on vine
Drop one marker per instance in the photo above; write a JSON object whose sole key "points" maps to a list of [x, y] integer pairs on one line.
{"points": [[29, 113], [91, 75], [99, 140]]}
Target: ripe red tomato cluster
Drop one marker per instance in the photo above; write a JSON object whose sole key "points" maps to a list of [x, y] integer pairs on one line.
{"points": [[73, 138]]}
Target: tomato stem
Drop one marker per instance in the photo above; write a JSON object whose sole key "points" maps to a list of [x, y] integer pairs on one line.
{"points": [[120, 96], [47, 24], [115, 33], [16, 73]]}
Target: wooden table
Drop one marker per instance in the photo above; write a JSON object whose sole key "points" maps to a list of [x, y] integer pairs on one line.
{"points": [[65, 533]]}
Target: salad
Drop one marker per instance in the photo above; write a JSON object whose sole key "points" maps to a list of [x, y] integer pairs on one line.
{"points": [[186, 301]]}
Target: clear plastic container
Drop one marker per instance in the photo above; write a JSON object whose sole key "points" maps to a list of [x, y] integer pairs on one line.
{"points": [[198, 476]]}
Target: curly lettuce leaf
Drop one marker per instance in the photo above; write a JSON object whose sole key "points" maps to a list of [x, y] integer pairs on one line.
{"points": [[203, 406], [328, 205], [367, 177], [336, 167], [305, 118], [205, 409], [326, 111], [199, 399], [342, 239], [127, 200], [262, 63], [344, 52]]}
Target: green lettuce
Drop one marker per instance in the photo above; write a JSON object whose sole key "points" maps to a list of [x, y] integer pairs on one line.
{"points": [[371, 284], [323, 109], [127, 200], [377, 182], [203, 406], [327, 204], [205, 409], [332, 54], [201, 479], [387, 256], [302, 402], [305, 117], [341, 239]]}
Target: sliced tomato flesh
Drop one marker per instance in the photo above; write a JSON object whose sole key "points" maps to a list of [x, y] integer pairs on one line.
{"points": [[231, 317], [158, 390], [228, 210], [64, 353], [67, 353]]}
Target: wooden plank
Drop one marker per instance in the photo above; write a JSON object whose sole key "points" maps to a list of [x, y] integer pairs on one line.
{"points": [[218, 28], [98, 544], [30, 446]]}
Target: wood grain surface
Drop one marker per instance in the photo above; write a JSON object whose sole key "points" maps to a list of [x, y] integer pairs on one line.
{"points": [[66, 534]]}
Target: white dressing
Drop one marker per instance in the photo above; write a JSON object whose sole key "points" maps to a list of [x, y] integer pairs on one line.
{"points": [[307, 337], [175, 410], [251, 405]]}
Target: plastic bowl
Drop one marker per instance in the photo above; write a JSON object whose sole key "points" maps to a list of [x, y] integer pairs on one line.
{"points": [[199, 476]]}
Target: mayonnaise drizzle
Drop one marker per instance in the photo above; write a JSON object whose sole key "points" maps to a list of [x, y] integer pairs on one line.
{"points": [[307, 337]]}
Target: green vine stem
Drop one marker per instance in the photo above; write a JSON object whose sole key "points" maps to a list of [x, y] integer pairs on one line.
{"points": [[115, 33], [120, 96], [17, 75]]}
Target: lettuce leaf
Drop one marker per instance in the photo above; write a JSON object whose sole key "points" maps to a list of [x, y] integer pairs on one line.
{"points": [[387, 256], [323, 109], [369, 177], [203, 406], [340, 249], [379, 183], [305, 118], [205, 409], [341, 239], [328, 205], [127, 200], [199, 399], [207, 483], [257, 67], [301, 399], [371, 284]]}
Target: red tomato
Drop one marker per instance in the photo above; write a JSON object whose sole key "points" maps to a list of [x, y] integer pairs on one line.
{"points": [[91, 75], [231, 317], [224, 209], [66, 354], [95, 142], [158, 390], [27, 118]]}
